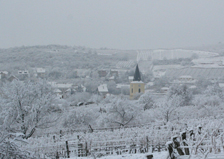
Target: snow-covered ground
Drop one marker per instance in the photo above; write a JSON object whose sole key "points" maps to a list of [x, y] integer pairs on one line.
{"points": [[157, 155]]}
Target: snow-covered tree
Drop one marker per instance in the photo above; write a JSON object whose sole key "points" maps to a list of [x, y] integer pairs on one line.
{"points": [[182, 92], [91, 85], [24, 108], [201, 85], [147, 100], [122, 112], [79, 97], [111, 85], [96, 98], [78, 119], [167, 107], [28, 106], [161, 82], [9, 147], [212, 96], [125, 90], [214, 90]]}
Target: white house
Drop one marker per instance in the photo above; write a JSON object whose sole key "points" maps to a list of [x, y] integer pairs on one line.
{"points": [[40, 72], [103, 90]]}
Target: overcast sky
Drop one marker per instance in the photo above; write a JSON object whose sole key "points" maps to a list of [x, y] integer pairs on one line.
{"points": [[122, 24]]}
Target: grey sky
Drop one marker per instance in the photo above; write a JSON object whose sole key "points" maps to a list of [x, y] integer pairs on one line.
{"points": [[123, 24]]}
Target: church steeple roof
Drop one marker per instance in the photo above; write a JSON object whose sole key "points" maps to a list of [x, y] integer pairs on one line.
{"points": [[137, 76]]}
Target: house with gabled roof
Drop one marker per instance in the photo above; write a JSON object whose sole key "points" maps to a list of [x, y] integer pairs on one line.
{"points": [[12, 78]]}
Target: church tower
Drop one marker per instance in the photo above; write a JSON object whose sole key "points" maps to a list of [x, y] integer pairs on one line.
{"points": [[136, 86]]}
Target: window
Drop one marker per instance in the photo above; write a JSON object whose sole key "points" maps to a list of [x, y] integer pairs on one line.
{"points": [[132, 90], [139, 90]]}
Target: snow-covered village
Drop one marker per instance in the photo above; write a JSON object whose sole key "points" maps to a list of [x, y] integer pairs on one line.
{"points": [[111, 79]]}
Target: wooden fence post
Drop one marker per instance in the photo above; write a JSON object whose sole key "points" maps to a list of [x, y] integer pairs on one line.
{"points": [[147, 144], [57, 156], [67, 148]]}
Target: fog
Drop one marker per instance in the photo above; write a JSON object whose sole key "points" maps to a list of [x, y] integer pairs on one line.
{"points": [[126, 24]]}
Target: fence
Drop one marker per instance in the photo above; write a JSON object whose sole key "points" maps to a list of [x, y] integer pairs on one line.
{"points": [[103, 141]]}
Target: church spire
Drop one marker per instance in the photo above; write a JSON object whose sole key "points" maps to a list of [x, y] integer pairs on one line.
{"points": [[137, 76]]}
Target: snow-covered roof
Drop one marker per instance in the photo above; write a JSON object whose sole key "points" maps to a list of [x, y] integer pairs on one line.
{"points": [[4, 72], [112, 78], [221, 85], [185, 76], [12, 77], [192, 87], [103, 88], [165, 67], [68, 90], [40, 70], [57, 91], [63, 85], [164, 88], [122, 85], [60, 85], [137, 82]]}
